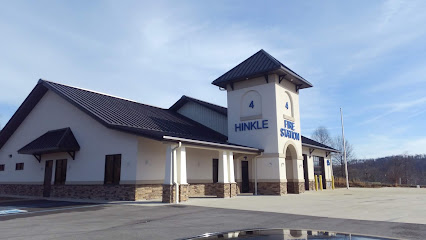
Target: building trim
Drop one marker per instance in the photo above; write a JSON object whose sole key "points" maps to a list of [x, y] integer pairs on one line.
{"points": [[317, 147], [211, 144]]}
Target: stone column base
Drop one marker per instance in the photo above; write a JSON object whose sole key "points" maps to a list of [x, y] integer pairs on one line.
{"points": [[233, 187], [329, 185], [168, 194], [311, 185], [295, 187], [226, 190], [239, 185], [272, 188], [183, 192]]}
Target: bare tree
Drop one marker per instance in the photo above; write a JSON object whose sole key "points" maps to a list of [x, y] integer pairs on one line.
{"points": [[322, 135], [338, 158]]}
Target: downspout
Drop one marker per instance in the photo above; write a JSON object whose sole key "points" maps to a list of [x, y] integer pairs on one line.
{"points": [[173, 172], [255, 172]]}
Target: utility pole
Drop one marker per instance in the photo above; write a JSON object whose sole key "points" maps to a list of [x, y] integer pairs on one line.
{"points": [[344, 150]]}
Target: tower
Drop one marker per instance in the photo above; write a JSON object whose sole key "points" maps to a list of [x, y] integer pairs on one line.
{"points": [[263, 112]]}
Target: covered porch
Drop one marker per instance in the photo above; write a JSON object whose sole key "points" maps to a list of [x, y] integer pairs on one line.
{"points": [[196, 168]]}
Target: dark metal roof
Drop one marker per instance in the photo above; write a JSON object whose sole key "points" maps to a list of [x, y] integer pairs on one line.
{"points": [[116, 113], [261, 63], [60, 140], [308, 141], [184, 99]]}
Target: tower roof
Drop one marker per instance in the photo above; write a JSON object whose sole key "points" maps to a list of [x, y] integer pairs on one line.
{"points": [[260, 64]]}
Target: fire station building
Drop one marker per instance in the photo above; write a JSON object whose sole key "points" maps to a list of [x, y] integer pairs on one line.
{"points": [[69, 142]]}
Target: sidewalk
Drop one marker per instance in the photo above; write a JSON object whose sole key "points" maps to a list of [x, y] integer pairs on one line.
{"points": [[404, 205]]}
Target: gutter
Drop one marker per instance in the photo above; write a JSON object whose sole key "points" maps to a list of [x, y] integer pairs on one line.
{"points": [[255, 172]]}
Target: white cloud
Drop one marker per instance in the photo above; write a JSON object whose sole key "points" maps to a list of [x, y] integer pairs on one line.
{"points": [[416, 106]]}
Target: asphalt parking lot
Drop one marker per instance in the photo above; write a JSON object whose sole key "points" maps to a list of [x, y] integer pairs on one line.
{"points": [[46, 219], [11, 207]]}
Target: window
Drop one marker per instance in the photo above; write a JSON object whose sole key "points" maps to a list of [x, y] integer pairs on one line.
{"points": [[112, 169], [317, 166], [19, 166], [215, 170], [1, 167], [60, 172]]}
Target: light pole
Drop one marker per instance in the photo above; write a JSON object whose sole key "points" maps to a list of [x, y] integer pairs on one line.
{"points": [[344, 150]]}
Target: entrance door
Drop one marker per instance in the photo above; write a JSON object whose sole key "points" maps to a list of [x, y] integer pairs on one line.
{"points": [[305, 171], [47, 178], [245, 188]]}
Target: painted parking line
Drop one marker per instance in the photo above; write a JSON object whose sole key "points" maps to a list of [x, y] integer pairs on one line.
{"points": [[19, 211], [12, 211]]}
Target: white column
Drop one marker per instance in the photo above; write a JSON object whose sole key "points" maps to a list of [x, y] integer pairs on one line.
{"points": [[182, 177], [223, 167], [231, 175], [168, 169], [175, 167], [298, 172]]}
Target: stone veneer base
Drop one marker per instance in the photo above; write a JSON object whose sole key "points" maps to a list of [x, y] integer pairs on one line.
{"points": [[295, 187], [272, 188], [220, 190], [202, 189], [311, 185], [122, 192], [21, 190]]}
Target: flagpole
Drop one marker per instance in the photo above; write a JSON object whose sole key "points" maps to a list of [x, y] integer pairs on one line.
{"points": [[344, 149]]}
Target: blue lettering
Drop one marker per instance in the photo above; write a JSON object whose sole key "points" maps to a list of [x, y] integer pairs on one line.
{"points": [[238, 127], [265, 124], [290, 125], [247, 126], [253, 125], [289, 130], [251, 104]]}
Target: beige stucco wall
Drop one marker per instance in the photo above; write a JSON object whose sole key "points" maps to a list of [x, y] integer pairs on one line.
{"points": [[151, 161], [96, 141], [200, 165], [273, 98]]}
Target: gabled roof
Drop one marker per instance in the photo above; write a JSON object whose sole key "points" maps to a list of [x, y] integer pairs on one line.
{"points": [[116, 113], [309, 142], [260, 64], [185, 99], [60, 140]]}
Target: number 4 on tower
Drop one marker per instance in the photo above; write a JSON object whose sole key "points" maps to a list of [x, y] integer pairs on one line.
{"points": [[251, 104]]}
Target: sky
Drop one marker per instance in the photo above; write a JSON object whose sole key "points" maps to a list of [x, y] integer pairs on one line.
{"points": [[368, 57]]}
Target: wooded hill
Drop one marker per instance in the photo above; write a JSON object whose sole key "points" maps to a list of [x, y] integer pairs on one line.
{"points": [[399, 170]]}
